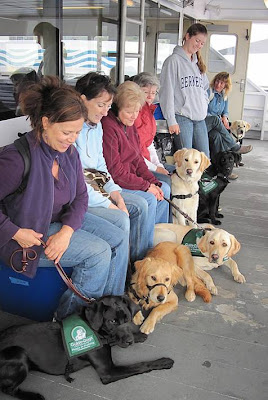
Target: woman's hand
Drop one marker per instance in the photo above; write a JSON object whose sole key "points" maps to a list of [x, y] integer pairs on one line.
{"points": [[58, 243], [225, 122], [119, 201], [162, 170], [27, 237], [174, 129], [156, 191]]}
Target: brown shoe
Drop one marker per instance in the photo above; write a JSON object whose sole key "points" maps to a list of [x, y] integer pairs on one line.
{"points": [[233, 177], [245, 149]]}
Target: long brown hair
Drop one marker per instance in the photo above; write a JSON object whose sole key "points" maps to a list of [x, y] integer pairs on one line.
{"points": [[53, 99], [194, 30]]}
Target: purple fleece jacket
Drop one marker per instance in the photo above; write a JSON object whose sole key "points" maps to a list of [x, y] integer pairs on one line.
{"points": [[33, 208], [121, 149]]}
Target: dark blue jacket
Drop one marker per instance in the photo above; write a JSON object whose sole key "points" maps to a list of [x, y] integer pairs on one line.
{"points": [[33, 208]]}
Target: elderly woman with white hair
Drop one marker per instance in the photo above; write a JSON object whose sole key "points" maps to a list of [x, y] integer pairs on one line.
{"points": [[146, 127], [121, 148]]}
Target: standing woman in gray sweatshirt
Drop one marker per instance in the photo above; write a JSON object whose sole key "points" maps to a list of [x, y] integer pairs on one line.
{"points": [[183, 91]]}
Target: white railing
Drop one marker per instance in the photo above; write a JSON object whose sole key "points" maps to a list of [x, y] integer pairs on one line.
{"points": [[255, 109]]}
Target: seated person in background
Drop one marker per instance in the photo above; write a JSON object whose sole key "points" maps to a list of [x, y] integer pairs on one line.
{"points": [[146, 127], [217, 119], [121, 148], [54, 203], [126, 210]]}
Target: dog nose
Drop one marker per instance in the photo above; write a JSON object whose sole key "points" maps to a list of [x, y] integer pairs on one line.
{"points": [[215, 257], [189, 171], [160, 298]]}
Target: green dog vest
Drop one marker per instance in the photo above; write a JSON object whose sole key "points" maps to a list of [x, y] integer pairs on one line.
{"points": [[78, 337], [207, 184], [189, 240]]}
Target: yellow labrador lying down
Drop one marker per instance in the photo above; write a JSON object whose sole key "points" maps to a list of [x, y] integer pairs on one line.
{"points": [[216, 247]]}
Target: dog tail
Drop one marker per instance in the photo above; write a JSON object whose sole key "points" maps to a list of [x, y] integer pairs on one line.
{"points": [[202, 290]]}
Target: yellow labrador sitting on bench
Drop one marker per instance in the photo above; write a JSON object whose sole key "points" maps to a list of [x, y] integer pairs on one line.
{"points": [[216, 248]]}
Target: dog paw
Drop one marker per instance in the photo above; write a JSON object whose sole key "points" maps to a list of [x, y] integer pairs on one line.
{"points": [[219, 215], [190, 295], [213, 289], [140, 337], [147, 327], [162, 363], [138, 318], [216, 222], [240, 278]]}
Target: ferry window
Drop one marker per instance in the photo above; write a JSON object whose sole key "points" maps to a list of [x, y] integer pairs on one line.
{"points": [[222, 53], [165, 45]]}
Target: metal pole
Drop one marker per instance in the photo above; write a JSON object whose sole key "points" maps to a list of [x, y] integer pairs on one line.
{"points": [[141, 34], [122, 39]]}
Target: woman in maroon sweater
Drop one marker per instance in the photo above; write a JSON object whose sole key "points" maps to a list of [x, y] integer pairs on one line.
{"points": [[121, 148]]}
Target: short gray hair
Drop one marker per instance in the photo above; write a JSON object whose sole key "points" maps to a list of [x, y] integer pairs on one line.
{"points": [[145, 79]]}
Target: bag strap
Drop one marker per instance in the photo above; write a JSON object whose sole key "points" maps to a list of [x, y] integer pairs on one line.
{"points": [[22, 146], [62, 273]]}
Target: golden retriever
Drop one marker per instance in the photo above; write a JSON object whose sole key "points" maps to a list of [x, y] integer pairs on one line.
{"points": [[152, 283], [190, 165], [239, 128], [216, 245]]}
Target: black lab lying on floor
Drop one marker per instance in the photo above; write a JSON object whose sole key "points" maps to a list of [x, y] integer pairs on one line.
{"points": [[39, 347], [212, 184]]}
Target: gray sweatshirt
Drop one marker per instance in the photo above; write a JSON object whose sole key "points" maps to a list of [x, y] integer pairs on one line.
{"points": [[183, 89]]}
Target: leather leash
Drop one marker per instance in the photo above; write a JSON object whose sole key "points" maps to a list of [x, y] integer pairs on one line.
{"points": [[26, 256], [186, 216]]}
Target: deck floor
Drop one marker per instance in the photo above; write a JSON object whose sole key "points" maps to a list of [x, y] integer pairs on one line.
{"points": [[220, 349]]}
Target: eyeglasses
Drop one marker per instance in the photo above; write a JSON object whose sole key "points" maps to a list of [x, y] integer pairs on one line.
{"points": [[152, 92]]}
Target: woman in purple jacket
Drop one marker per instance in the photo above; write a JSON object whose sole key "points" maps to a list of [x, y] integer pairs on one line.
{"points": [[54, 203]]}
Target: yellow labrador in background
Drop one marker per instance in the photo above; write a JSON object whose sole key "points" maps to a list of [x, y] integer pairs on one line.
{"points": [[152, 283], [190, 165], [239, 128], [217, 247]]}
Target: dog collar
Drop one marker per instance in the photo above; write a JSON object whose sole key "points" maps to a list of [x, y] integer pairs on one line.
{"points": [[183, 196], [145, 298]]}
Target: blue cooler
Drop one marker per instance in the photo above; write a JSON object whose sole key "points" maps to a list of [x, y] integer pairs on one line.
{"points": [[35, 298]]}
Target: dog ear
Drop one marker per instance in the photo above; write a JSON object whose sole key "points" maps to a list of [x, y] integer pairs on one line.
{"points": [[178, 156], [205, 162], [133, 307], [138, 264], [94, 314], [141, 271], [233, 126], [235, 246], [202, 244], [248, 126]]}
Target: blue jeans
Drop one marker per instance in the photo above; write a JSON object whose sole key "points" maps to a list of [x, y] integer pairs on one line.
{"points": [[158, 211], [193, 134], [219, 137], [167, 179], [98, 253], [135, 225]]}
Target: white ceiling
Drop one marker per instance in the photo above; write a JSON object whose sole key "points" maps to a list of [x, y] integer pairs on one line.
{"points": [[251, 10]]}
